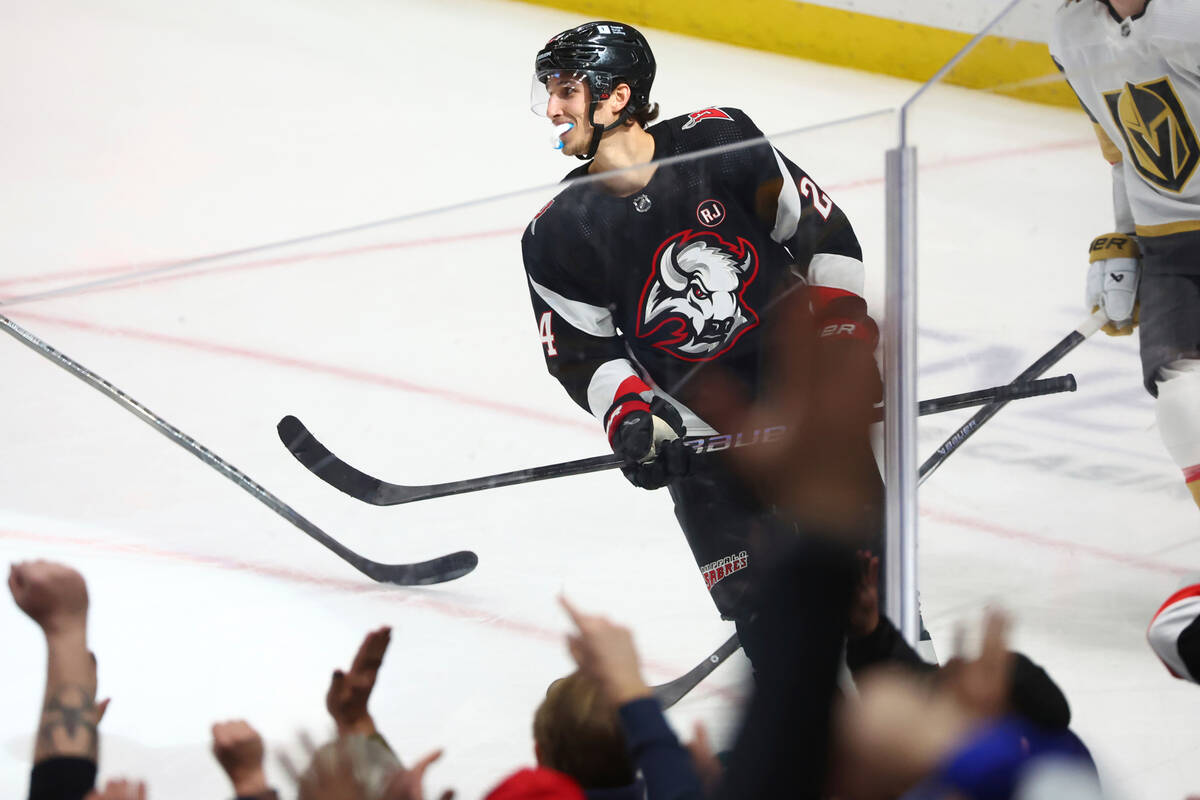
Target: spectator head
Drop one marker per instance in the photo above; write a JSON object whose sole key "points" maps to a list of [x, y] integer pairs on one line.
{"points": [[576, 731]]}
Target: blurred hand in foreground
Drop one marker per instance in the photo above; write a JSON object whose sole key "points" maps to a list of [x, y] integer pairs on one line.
{"points": [[329, 776], [707, 765], [982, 685], [605, 651], [119, 790], [52, 595], [408, 784], [904, 725], [349, 691], [821, 471], [239, 751], [334, 773]]}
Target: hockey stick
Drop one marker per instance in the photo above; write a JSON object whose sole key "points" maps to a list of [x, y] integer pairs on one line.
{"points": [[445, 568], [1017, 390], [668, 694], [1051, 357], [318, 459]]}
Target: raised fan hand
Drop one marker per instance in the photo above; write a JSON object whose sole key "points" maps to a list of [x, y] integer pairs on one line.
{"points": [[982, 685], [605, 651], [239, 750], [119, 789], [349, 691], [52, 595]]}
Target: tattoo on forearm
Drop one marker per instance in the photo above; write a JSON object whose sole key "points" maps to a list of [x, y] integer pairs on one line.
{"points": [[68, 726]]}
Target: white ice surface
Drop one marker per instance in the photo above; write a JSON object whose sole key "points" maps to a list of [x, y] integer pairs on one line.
{"points": [[137, 132]]}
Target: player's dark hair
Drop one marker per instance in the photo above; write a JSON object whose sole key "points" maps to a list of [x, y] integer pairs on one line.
{"points": [[644, 115]]}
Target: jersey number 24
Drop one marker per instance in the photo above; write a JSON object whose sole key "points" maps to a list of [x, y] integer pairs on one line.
{"points": [[547, 335]]}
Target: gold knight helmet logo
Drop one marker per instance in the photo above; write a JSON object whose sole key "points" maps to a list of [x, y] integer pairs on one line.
{"points": [[1156, 129]]}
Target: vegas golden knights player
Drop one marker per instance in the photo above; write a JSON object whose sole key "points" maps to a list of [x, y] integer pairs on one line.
{"points": [[642, 272], [1135, 65]]}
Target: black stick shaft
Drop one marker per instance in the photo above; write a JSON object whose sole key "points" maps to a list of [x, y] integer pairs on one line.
{"points": [[1051, 357], [328, 467], [440, 569], [1012, 391], [668, 694]]}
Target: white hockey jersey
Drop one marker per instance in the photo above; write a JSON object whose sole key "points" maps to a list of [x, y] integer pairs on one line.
{"points": [[1139, 80]]}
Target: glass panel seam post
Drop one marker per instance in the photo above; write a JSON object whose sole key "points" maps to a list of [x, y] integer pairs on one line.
{"points": [[900, 401], [900, 360]]}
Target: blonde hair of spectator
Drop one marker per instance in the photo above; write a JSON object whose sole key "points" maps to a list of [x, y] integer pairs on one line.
{"points": [[577, 732]]}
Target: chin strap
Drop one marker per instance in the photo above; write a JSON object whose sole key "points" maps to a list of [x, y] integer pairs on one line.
{"points": [[598, 133]]}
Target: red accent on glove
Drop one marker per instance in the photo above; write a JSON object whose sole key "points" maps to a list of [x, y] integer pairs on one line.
{"points": [[842, 315], [630, 388], [620, 412], [821, 296]]}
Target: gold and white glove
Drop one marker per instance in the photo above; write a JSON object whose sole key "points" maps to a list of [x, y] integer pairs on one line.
{"points": [[1112, 281]]}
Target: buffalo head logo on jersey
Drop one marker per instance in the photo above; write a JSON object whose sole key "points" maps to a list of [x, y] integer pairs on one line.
{"points": [[692, 305]]}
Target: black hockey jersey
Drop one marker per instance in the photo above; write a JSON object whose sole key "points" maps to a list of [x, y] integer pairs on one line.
{"points": [[632, 293]]}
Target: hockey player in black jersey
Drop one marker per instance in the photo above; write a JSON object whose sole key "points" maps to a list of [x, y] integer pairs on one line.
{"points": [[657, 265]]}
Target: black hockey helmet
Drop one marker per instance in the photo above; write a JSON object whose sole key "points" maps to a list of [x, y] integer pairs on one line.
{"points": [[606, 54]]}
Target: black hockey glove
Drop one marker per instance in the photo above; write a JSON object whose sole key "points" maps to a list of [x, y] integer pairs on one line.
{"points": [[648, 439], [847, 337]]}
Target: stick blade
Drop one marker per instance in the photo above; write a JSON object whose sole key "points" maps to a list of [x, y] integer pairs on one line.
{"points": [[318, 460], [668, 694], [437, 570]]}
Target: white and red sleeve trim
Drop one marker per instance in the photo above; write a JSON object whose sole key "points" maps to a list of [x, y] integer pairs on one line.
{"points": [[592, 320], [1177, 613], [615, 381], [832, 278], [836, 272]]}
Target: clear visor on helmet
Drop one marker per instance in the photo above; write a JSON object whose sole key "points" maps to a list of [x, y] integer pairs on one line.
{"points": [[566, 88]]}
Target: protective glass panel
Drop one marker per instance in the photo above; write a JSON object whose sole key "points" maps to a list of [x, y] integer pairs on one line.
{"points": [[250, 238]]}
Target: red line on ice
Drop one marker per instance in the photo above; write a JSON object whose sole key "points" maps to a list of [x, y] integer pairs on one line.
{"points": [[506, 408], [420, 598], [1073, 548], [255, 264]]}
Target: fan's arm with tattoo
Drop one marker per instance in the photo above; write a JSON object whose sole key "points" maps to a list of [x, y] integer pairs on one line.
{"points": [[55, 597]]}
